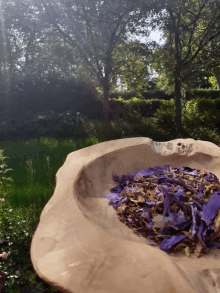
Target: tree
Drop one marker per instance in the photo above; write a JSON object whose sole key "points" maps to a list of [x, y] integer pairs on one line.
{"points": [[132, 65], [93, 28], [191, 29]]}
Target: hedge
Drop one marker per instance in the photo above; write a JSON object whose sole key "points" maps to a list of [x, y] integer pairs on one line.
{"points": [[202, 93]]}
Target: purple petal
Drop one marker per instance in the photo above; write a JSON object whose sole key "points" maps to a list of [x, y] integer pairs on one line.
{"points": [[200, 230], [208, 177], [180, 191], [116, 178], [215, 243], [182, 225], [215, 180], [146, 172], [211, 208], [150, 202], [159, 169], [147, 215], [132, 189], [113, 197], [117, 188], [174, 175], [121, 202], [197, 204], [167, 243], [191, 173], [123, 180], [150, 225]]}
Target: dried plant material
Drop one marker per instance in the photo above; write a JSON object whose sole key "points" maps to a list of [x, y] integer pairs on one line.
{"points": [[199, 249], [159, 221], [217, 222], [176, 209], [187, 251]]}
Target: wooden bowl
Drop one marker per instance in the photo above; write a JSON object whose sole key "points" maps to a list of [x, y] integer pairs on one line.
{"points": [[81, 246]]}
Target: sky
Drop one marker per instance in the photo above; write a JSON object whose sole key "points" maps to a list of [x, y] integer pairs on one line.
{"points": [[156, 35]]}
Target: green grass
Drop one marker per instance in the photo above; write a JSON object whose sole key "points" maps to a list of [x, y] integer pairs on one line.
{"points": [[35, 163]]}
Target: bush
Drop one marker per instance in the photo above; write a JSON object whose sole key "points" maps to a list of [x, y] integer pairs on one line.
{"points": [[202, 93], [120, 107], [149, 95], [44, 123], [166, 118], [202, 112]]}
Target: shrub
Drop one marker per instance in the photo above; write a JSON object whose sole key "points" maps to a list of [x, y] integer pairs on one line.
{"points": [[45, 123]]}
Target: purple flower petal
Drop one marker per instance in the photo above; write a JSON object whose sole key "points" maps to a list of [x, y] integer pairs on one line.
{"points": [[150, 202], [147, 215], [150, 225], [211, 208], [215, 243], [160, 170], [180, 191], [146, 172], [116, 178], [121, 202], [132, 189], [182, 225], [191, 173], [197, 204], [123, 180], [113, 197], [167, 243], [208, 177], [200, 230], [117, 189]]}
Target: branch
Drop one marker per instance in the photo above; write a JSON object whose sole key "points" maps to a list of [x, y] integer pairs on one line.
{"points": [[201, 46], [73, 43], [192, 32], [93, 43]]}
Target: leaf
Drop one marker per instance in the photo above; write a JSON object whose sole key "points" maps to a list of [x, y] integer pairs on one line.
{"points": [[6, 170]]}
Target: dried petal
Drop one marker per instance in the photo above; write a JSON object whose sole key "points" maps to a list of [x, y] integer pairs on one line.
{"points": [[167, 243], [211, 208], [113, 197]]}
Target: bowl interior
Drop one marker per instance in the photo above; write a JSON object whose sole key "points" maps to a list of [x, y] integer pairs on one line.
{"points": [[95, 180]]}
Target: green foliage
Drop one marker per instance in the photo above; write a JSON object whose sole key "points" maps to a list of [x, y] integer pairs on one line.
{"points": [[131, 65], [123, 109], [202, 93], [213, 81], [45, 123], [165, 117], [147, 95]]}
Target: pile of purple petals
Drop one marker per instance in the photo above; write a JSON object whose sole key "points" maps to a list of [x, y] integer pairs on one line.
{"points": [[173, 208]]}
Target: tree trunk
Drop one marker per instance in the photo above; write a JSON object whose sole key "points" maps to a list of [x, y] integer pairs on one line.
{"points": [[178, 106], [177, 91], [106, 87], [106, 99]]}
